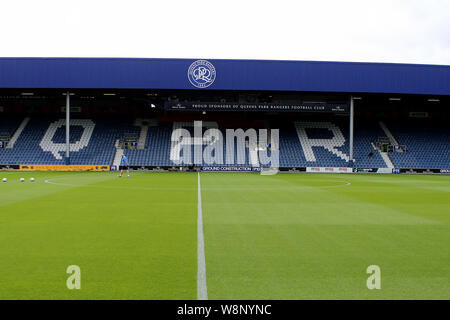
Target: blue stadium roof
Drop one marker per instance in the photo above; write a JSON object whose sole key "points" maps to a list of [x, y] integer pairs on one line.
{"points": [[132, 73]]}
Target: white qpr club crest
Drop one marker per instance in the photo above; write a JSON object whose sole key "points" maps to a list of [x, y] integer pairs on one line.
{"points": [[201, 73]]}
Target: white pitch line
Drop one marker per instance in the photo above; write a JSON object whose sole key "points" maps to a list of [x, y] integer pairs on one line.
{"points": [[202, 292], [60, 184]]}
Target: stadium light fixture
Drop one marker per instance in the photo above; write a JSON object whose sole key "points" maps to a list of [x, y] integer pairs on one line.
{"points": [[109, 94], [433, 100], [27, 93], [70, 94], [394, 99], [357, 98]]}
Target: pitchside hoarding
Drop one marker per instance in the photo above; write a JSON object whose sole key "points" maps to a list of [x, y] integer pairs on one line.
{"points": [[329, 170], [230, 168], [63, 168], [262, 107]]}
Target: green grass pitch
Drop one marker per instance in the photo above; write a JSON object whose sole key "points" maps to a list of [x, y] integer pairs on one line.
{"points": [[287, 236]]}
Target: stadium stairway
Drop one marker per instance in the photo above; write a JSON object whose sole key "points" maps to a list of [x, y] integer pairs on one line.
{"points": [[117, 155], [17, 133], [388, 133], [9, 125], [364, 154]]}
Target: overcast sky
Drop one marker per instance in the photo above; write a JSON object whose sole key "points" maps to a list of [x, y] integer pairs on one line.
{"points": [[408, 31]]}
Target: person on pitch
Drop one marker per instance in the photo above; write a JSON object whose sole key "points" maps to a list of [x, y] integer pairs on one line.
{"points": [[124, 166]]}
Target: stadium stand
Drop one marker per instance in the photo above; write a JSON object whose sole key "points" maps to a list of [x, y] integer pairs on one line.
{"points": [[157, 148], [42, 142], [427, 145], [302, 144], [295, 154]]}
